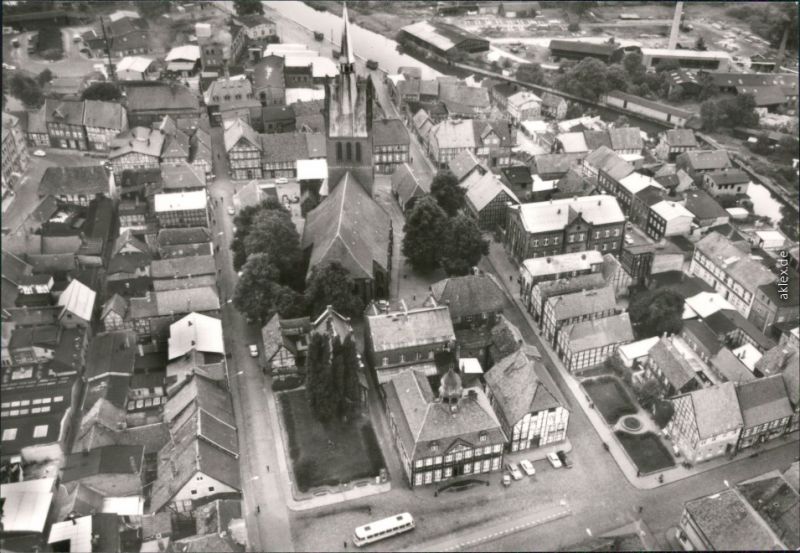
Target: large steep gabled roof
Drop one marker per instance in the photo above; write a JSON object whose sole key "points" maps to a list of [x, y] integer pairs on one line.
{"points": [[350, 228]]}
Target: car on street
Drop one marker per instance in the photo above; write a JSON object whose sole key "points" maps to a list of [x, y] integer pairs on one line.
{"points": [[527, 467], [39, 153], [506, 480], [554, 460], [514, 470], [231, 210], [562, 456], [282, 180], [253, 350]]}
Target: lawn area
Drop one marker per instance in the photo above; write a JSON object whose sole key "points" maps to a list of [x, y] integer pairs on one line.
{"points": [[647, 451], [610, 398], [355, 454]]}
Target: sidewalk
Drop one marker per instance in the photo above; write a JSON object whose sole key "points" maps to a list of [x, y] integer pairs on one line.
{"points": [[503, 266]]}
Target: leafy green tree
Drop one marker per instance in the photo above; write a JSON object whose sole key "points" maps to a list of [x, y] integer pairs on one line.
{"points": [[423, 234], [331, 284], [740, 111], [622, 121], [700, 44], [273, 233], [44, 77], [447, 193], [662, 412], [648, 392], [790, 223], [531, 73], [319, 378], [667, 65], [463, 245], [617, 78], [244, 222], [26, 90], [108, 92], [707, 87], [711, 115], [588, 79], [655, 312], [247, 7], [257, 293], [634, 67], [350, 388]]}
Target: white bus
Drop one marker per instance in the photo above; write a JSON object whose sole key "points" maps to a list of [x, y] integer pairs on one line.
{"points": [[381, 529]]}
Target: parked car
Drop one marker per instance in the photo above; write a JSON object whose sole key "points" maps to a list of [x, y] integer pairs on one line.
{"points": [[281, 180], [253, 350], [527, 467], [514, 470], [562, 456], [506, 480], [554, 460], [39, 153], [231, 210]]}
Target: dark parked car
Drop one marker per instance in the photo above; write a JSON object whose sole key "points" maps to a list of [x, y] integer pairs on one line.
{"points": [[564, 459]]}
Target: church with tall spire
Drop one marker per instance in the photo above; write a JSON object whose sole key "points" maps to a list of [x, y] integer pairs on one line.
{"points": [[348, 113]]}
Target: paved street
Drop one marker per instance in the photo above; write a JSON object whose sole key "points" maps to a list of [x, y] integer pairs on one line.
{"points": [[261, 472]]}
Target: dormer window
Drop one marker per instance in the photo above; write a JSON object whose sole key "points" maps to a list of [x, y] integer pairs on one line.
{"points": [[483, 436], [434, 446]]}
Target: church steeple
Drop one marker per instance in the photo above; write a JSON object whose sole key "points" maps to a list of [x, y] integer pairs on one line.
{"points": [[348, 58]]}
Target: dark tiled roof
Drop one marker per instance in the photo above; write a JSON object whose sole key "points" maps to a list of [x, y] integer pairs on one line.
{"points": [[112, 459], [282, 147], [421, 420], [407, 184], [681, 138], [161, 97], [703, 205], [583, 47], [64, 111], [518, 175], [389, 132], [675, 368], [763, 400], [550, 164], [350, 228], [706, 159], [179, 236], [111, 352], [517, 387], [596, 139], [469, 295], [626, 138], [106, 115], [88, 180]]}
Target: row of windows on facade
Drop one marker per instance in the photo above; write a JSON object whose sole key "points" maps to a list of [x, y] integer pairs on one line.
{"points": [[459, 455], [446, 472], [39, 431], [419, 357], [717, 273], [347, 154], [227, 97]]}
